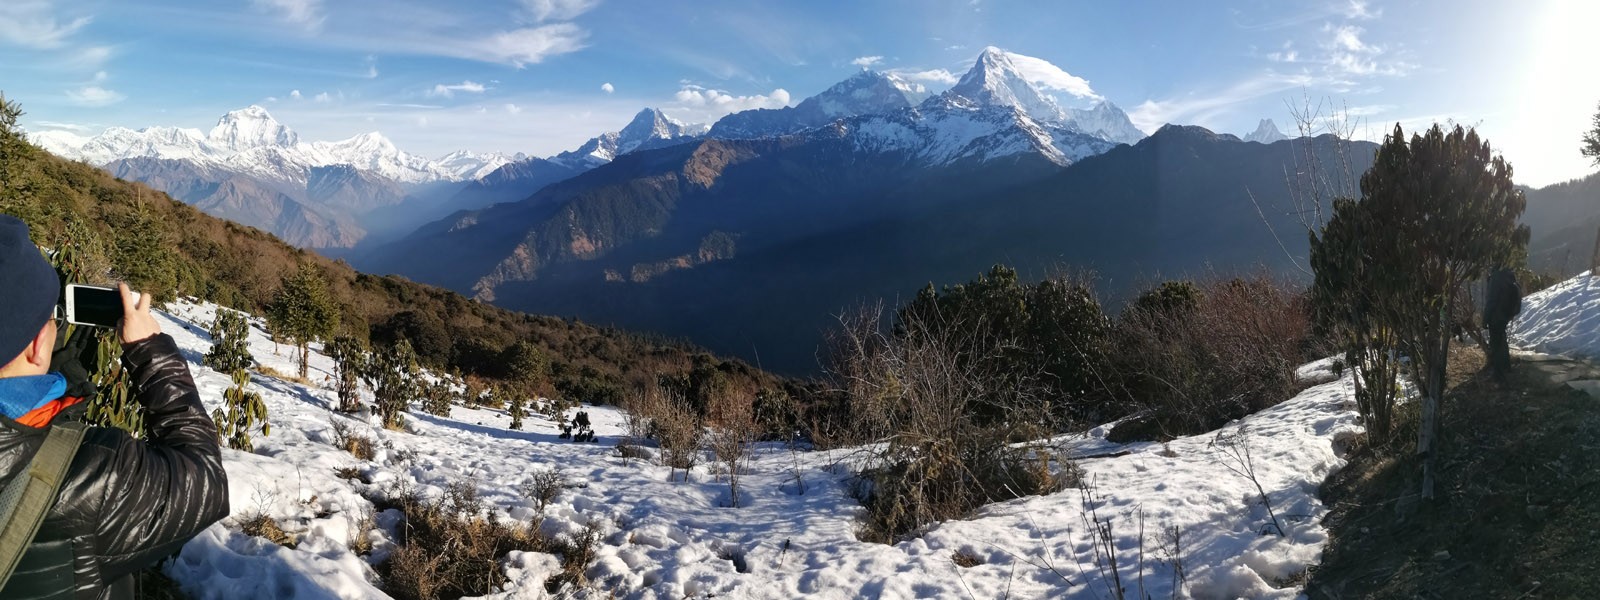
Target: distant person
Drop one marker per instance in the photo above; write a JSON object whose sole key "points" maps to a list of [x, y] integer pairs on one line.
{"points": [[1502, 305], [123, 502]]}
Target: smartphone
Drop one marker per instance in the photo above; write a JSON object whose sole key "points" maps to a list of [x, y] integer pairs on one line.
{"points": [[94, 306]]}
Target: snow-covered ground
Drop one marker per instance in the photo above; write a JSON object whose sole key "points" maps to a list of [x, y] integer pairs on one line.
{"points": [[665, 539], [1561, 319]]}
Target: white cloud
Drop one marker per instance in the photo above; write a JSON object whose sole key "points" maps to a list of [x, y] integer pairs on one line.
{"points": [[513, 109], [33, 24], [100, 76], [307, 13], [931, 75], [1349, 55], [704, 105], [607, 87], [67, 126], [449, 91], [295, 94], [519, 47], [323, 97], [372, 71], [558, 10], [1048, 76], [93, 95], [1357, 9], [867, 61]]}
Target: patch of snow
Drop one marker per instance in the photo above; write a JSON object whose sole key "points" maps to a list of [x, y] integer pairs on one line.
{"points": [[664, 539], [1562, 319]]}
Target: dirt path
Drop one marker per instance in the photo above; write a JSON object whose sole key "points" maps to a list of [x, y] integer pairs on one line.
{"points": [[1519, 516]]}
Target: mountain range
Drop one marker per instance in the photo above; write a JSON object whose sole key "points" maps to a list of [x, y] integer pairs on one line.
{"points": [[748, 243], [746, 234]]}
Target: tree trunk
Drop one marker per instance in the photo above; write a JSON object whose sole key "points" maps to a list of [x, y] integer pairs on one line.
{"points": [[305, 356], [1428, 432], [1594, 258]]}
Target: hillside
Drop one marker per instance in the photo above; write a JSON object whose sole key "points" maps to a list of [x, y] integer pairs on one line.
{"points": [[816, 223], [1564, 218], [166, 246]]}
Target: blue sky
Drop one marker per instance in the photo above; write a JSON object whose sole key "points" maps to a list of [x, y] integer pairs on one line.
{"points": [[541, 76]]}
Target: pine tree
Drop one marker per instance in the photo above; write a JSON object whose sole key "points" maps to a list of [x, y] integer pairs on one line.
{"points": [[304, 311], [245, 411], [438, 398], [1591, 141], [349, 359], [230, 342], [393, 376], [528, 366]]}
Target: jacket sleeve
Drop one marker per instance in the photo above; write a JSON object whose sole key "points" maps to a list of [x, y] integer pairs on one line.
{"points": [[167, 488]]}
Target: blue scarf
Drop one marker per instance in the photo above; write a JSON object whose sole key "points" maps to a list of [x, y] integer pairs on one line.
{"points": [[20, 395]]}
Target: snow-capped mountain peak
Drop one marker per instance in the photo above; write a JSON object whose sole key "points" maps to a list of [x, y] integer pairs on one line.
{"points": [[649, 125], [866, 92], [1266, 132], [994, 80], [250, 127], [1106, 121]]}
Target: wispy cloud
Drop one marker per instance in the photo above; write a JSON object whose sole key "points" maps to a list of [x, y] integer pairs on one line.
{"points": [[558, 10], [34, 24], [1358, 9], [1347, 53], [513, 109], [1205, 107], [305, 13], [607, 87], [1048, 76], [94, 96], [866, 61], [449, 91], [519, 47], [295, 94]]}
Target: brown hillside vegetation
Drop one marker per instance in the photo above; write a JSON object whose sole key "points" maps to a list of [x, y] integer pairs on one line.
{"points": [[1518, 509], [162, 245]]}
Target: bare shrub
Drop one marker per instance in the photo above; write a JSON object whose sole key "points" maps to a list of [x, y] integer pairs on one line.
{"points": [[733, 429], [915, 391], [451, 547], [1189, 358], [577, 553], [360, 541], [357, 445], [676, 426], [543, 486]]}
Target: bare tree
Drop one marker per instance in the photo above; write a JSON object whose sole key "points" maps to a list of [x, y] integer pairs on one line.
{"points": [[732, 432]]}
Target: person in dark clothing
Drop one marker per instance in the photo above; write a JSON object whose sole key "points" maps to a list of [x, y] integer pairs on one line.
{"points": [[124, 502], [1503, 302]]}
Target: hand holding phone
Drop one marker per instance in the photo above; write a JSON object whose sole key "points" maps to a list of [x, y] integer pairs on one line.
{"points": [[105, 307], [137, 322]]}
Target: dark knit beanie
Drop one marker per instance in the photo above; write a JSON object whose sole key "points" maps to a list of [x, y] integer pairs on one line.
{"points": [[29, 288]]}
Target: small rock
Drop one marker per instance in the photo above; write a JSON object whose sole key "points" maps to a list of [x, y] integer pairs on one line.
{"points": [[1442, 555]]}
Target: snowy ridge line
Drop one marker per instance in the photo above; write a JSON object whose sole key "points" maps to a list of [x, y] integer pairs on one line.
{"points": [[673, 540]]}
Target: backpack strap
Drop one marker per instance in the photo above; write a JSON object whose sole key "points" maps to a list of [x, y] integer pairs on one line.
{"points": [[28, 496]]}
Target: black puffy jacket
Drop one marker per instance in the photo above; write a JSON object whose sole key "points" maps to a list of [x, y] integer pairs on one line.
{"points": [[125, 502]]}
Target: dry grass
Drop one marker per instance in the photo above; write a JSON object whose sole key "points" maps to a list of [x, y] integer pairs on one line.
{"points": [[451, 547], [357, 445], [263, 525], [577, 553], [966, 559], [275, 374]]}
